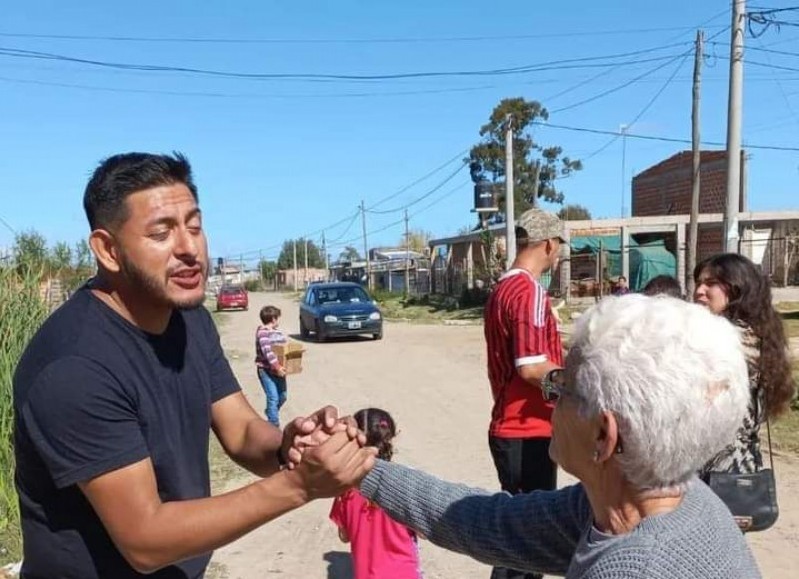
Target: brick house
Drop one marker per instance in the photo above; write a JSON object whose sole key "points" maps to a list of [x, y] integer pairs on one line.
{"points": [[665, 189]]}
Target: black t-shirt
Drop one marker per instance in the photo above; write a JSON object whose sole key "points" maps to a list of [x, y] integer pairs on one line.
{"points": [[93, 393]]}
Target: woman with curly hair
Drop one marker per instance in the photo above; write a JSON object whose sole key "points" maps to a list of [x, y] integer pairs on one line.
{"points": [[732, 286]]}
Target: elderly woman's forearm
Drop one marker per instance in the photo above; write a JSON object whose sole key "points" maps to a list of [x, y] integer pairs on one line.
{"points": [[525, 532]]}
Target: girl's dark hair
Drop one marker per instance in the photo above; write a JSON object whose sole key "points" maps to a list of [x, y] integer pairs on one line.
{"points": [[122, 175], [663, 285], [380, 430], [749, 301], [269, 314]]}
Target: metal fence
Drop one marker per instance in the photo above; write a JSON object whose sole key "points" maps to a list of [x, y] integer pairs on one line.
{"points": [[778, 258]]}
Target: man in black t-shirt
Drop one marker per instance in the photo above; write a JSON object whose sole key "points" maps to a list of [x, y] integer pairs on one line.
{"points": [[116, 394]]}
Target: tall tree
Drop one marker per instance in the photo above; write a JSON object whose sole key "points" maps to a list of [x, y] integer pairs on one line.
{"points": [[535, 167], [574, 212], [286, 258], [418, 240], [349, 254], [61, 258], [30, 252], [268, 269], [82, 256]]}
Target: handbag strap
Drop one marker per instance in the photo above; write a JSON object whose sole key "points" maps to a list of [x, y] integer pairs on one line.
{"points": [[768, 422]]}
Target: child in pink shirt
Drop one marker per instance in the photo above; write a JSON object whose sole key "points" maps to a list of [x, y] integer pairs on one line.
{"points": [[381, 547]]}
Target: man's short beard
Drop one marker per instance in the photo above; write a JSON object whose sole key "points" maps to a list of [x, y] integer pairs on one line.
{"points": [[148, 285]]}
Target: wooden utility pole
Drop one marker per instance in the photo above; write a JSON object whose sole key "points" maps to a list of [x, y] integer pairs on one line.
{"points": [[693, 231], [734, 114], [305, 275], [407, 256], [327, 258], [295, 265], [366, 248], [510, 217]]}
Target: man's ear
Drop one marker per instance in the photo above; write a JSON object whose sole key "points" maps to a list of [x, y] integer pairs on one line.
{"points": [[104, 247]]}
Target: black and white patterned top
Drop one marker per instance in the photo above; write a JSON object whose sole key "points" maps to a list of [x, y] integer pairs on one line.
{"points": [[743, 454]]}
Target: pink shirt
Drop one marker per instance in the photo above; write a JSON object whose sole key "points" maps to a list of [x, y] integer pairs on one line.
{"points": [[381, 547]]}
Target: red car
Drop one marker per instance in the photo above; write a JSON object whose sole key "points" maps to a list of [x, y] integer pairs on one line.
{"points": [[232, 298]]}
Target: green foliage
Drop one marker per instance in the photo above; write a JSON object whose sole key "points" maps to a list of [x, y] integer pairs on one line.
{"points": [[252, 285], [286, 258], [268, 269], [574, 212], [349, 254], [22, 311], [417, 240], [535, 167], [30, 253]]}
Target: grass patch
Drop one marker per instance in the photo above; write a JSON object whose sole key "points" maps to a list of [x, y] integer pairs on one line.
{"points": [[428, 309], [21, 313], [791, 322], [785, 433]]}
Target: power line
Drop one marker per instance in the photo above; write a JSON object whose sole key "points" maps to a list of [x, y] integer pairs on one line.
{"points": [[419, 180], [424, 195], [658, 138], [583, 62], [397, 40], [247, 95]]}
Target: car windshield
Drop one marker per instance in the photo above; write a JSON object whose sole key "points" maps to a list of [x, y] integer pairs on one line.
{"points": [[341, 295], [230, 290]]}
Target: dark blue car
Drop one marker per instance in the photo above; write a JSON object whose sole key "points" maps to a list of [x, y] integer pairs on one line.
{"points": [[339, 309]]}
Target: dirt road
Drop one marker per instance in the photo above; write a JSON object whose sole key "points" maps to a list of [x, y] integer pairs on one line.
{"points": [[432, 380]]}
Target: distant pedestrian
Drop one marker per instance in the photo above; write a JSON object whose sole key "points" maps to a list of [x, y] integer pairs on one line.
{"points": [[622, 288], [271, 374], [381, 547]]}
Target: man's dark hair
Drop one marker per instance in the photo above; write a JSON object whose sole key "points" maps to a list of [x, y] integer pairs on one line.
{"points": [[663, 285], [119, 176], [269, 314]]}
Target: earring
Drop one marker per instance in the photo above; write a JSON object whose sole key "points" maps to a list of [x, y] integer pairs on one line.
{"points": [[596, 455]]}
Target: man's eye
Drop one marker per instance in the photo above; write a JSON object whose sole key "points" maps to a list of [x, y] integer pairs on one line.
{"points": [[159, 235]]}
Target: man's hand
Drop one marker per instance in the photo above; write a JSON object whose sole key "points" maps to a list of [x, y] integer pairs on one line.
{"points": [[336, 465], [281, 372], [302, 433]]}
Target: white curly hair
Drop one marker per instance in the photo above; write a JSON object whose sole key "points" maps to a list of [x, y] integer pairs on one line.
{"points": [[672, 373]]}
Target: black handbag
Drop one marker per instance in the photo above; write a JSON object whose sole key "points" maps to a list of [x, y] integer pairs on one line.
{"points": [[751, 497]]}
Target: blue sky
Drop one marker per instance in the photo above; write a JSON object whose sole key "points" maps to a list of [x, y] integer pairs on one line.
{"points": [[275, 159]]}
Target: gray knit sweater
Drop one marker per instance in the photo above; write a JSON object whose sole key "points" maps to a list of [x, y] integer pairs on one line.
{"points": [[552, 532]]}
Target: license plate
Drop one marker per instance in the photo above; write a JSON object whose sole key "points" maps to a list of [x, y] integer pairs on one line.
{"points": [[353, 325]]}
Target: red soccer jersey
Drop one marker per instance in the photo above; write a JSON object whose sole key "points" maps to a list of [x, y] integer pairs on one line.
{"points": [[520, 329]]}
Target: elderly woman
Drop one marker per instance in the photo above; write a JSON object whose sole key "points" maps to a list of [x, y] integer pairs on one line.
{"points": [[653, 387]]}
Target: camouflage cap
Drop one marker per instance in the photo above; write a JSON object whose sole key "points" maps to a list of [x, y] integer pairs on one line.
{"points": [[537, 225]]}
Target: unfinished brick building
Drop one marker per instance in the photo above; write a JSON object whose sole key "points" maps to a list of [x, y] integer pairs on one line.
{"points": [[665, 189]]}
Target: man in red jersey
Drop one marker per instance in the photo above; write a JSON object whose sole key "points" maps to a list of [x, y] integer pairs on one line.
{"points": [[523, 346]]}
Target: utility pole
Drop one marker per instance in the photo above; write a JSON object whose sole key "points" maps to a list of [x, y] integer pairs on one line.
{"points": [[241, 269], [295, 265], [693, 232], [407, 256], [623, 131], [510, 217], [261, 268], [734, 113], [327, 257], [305, 275], [366, 248]]}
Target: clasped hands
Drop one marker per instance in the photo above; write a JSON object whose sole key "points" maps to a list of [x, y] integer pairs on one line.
{"points": [[327, 454]]}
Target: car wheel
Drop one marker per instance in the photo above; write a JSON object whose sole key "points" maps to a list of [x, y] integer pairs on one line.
{"points": [[378, 335], [303, 331], [320, 333]]}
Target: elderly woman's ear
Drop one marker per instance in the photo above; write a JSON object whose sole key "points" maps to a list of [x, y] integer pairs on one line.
{"points": [[607, 441]]}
